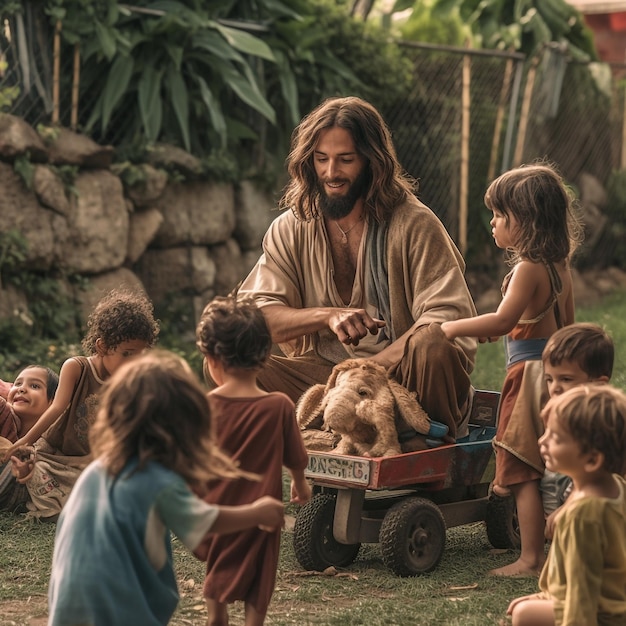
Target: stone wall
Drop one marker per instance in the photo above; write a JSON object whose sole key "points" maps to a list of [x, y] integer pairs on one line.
{"points": [[184, 240], [180, 241]]}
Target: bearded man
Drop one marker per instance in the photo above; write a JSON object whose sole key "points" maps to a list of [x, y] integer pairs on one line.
{"points": [[358, 267]]}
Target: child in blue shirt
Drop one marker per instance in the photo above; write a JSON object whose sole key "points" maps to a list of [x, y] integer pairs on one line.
{"points": [[153, 450]]}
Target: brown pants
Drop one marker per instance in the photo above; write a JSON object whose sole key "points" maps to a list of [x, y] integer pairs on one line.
{"points": [[435, 368]]}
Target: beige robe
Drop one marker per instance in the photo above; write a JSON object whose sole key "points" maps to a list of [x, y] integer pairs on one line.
{"points": [[425, 275]]}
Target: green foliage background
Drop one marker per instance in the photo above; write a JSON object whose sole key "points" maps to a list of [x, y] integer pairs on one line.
{"points": [[229, 80]]}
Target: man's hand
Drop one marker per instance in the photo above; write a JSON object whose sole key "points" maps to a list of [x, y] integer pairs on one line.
{"points": [[351, 325]]}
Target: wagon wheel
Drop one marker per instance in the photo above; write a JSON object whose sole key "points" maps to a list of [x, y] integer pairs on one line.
{"points": [[501, 522], [314, 544], [412, 537]]}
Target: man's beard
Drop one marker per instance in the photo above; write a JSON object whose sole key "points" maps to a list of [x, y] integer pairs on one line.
{"points": [[337, 206]]}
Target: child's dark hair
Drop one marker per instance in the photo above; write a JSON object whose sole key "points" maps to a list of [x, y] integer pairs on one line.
{"points": [[595, 416], [52, 379], [155, 408], [587, 345], [535, 195], [122, 315], [234, 332]]}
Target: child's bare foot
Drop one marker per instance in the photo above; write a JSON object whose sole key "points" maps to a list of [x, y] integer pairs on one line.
{"points": [[518, 569]]}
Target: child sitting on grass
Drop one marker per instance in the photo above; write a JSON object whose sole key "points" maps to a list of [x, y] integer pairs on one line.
{"points": [[584, 578], [579, 353], [120, 328], [27, 399], [152, 444]]}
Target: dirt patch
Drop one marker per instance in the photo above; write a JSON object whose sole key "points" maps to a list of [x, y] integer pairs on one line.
{"points": [[30, 612]]}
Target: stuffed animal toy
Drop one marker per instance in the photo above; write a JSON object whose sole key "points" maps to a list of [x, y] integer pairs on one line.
{"points": [[362, 405]]}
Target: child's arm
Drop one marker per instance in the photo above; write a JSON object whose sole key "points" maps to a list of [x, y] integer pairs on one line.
{"points": [[300, 488], [70, 372], [267, 513], [9, 422], [568, 315], [4, 389], [519, 294]]}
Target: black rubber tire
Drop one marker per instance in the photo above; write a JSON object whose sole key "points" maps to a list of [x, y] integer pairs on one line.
{"points": [[501, 522], [313, 542], [412, 537]]}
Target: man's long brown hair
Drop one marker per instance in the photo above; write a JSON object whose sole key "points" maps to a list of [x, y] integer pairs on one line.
{"points": [[388, 184]]}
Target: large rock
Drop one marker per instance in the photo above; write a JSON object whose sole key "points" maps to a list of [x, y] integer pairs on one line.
{"points": [[69, 148], [592, 191], [174, 158], [50, 190], [179, 270], [197, 213], [254, 211], [228, 265], [17, 138], [99, 235], [45, 233], [144, 193], [142, 228]]}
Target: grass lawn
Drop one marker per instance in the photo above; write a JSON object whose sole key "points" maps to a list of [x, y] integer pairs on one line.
{"points": [[458, 592]]}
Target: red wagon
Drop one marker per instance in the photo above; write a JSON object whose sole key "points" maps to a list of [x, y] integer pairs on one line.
{"points": [[404, 502]]}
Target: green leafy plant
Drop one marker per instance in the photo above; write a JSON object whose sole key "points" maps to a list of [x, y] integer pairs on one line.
{"points": [[25, 169], [13, 250], [422, 25], [68, 175], [48, 134], [52, 310], [8, 95], [524, 25], [169, 62]]}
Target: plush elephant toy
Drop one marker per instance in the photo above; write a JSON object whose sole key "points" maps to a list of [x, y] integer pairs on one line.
{"points": [[365, 407]]}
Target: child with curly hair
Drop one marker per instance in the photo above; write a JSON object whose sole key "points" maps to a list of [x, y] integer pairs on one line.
{"points": [[153, 448], [259, 430], [120, 328], [584, 578]]}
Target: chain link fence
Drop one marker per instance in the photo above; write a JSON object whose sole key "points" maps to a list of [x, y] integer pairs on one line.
{"points": [[26, 67], [473, 114], [470, 115], [454, 127]]}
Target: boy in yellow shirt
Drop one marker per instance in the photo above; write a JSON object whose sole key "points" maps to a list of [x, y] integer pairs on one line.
{"points": [[584, 578]]}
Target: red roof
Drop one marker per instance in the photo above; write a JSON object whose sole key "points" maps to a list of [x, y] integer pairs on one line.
{"points": [[598, 6]]}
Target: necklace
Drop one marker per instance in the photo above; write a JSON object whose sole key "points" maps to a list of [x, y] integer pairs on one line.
{"points": [[344, 233]]}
